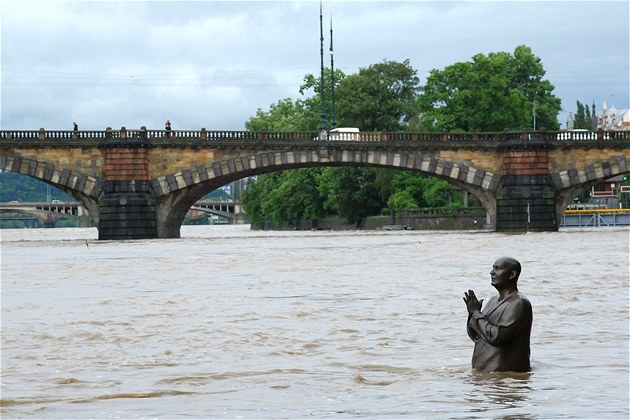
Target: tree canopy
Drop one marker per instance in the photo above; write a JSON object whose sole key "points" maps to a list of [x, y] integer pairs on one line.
{"points": [[583, 118], [382, 95], [491, 92], [379, 97], [18, 187]]}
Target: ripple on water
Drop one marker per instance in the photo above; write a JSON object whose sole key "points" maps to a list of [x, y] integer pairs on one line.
{"points": [[239, 323]]}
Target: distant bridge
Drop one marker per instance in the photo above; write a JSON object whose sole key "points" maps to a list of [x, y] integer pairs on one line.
{"points": [[231, 210], [141, 183], [45, 212], [51, 212]]}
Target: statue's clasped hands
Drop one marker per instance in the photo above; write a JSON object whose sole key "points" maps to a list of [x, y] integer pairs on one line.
{"points": [[471, 301]]}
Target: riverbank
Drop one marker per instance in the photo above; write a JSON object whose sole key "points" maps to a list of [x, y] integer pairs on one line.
{"points": [[421, 219]]}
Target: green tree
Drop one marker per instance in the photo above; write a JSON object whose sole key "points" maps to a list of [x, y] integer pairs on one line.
{"points": [[252, 200], [295, 197], [582, 119], [14, 186], [351, 193], [379, 97], [402, 200], [12, 224], [313, 103], [439, 193], [284, 198], [425, 191], [414, 184], [284, 115], [489, 93], [288, 196]]}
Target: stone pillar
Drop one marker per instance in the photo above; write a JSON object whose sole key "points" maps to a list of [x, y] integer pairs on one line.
{"points": [[127, 207], [526, 195]]}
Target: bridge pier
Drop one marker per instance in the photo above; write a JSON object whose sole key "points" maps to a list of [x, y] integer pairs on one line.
{"points": [[127, 207], [526, 196], [127, 211], [526, 204]]}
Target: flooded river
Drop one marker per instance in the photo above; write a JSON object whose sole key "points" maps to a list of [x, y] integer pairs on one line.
{"points": [[232, 323]]}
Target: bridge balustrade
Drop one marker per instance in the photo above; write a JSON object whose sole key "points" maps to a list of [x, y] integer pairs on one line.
{"points": [[443, 211], [203, 137], [14, 135]]}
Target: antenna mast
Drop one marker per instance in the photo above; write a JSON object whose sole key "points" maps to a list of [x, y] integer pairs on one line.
{"points": [[333, 121], [322, 121]]}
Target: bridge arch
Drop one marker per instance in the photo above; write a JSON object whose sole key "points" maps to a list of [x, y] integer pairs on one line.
{"points": [[86, 189], [570, 183], [177, 192]]}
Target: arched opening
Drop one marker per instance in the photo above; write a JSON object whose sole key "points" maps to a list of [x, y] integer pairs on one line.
{"points": [[23, 188], [174, 201]]}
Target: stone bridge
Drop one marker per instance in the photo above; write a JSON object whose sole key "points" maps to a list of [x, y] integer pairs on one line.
{"points": [[48, 213], [141, 183]]}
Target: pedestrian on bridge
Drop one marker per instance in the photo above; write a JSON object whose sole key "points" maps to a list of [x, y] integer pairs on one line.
{"points": [[75, 125], [167, 127]]}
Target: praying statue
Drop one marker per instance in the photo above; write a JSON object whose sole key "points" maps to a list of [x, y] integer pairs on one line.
{"points": [[501, 330]]}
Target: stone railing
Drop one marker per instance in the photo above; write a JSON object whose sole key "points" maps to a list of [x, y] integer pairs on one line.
{"points": [[441, 211], [44, 137]]}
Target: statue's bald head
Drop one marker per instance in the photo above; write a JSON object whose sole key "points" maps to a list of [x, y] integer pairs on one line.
{"points": [[514, 265]]}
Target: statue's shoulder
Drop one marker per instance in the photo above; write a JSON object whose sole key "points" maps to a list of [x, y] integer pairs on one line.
{"points": [[522, 300], [521, 296]]}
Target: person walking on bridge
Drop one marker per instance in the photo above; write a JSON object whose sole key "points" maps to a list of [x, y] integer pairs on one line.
{"points": [[167, 127]]}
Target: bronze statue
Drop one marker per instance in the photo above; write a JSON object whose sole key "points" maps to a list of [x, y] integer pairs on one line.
{"points": [[501, 331]]}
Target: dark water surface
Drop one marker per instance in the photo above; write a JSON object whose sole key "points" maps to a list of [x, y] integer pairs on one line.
{"points": [[232, 323]]}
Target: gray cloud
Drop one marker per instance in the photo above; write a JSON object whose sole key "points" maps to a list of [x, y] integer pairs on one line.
{"points": [[212, 64]]}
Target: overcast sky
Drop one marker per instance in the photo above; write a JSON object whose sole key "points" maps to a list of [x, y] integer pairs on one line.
{"points": [[212, 64]]}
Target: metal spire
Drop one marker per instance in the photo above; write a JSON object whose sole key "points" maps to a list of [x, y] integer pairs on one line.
{"points": [[333, 121], [322, 122]]}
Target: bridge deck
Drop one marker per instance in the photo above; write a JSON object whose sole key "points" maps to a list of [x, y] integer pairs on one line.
{"points": [[201, 138]]}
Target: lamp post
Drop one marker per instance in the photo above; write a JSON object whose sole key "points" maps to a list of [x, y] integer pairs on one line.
{"points": [[333, 121], [534, 113], [322, 120]]}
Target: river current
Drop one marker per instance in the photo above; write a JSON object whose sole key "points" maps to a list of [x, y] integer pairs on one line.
{"points": [[227, 322]]}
